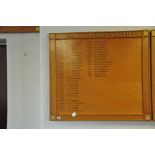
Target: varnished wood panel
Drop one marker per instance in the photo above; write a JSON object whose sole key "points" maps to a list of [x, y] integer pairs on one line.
{"points": [[19, 29], [3, 87], [100, 76], [153, 71]]}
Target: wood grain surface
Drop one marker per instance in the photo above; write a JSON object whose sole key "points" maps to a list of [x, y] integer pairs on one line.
{"points": [[100, 76], [19, 29], [153, 71]]}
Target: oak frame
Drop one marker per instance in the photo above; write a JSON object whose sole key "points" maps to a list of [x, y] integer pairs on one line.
{"points": [[143, 34]]}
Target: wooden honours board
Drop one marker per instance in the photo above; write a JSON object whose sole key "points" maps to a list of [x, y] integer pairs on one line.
{"points": [[100, 76], [153, 70]]}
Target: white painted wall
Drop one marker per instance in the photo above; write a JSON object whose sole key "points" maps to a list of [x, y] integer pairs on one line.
{"points": [[23, 80], [44, 49]]}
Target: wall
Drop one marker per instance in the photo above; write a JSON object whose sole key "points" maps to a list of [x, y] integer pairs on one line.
{"points": [[28, 82], [44, 49], [23, 80]]}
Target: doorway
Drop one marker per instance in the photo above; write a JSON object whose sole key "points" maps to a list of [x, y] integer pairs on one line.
{"points": [[3, 84]]}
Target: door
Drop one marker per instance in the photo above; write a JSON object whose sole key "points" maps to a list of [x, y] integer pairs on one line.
{"points": [[3, 85]]}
